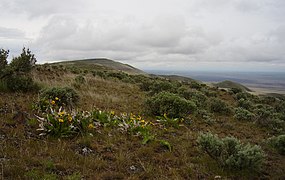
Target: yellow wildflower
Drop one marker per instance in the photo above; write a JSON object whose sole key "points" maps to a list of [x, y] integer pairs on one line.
{"points": [[56, 98], [142, 121], [60, 120], [69, 118], [91, 126], [53, 102], [112, 113], [61, 113]]}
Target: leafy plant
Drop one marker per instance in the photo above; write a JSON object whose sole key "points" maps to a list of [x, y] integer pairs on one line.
{"points": [[166, 144], [243, 114], [169, 122], [278, 143], [219, 106], [66, 96], [230, 153], [171, 104]]}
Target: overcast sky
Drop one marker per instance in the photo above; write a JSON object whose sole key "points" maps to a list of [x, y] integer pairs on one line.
{"points": [[237, 35]]}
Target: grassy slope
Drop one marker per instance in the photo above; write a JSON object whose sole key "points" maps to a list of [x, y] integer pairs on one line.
{"points": [[24, 155], [104, 64]]}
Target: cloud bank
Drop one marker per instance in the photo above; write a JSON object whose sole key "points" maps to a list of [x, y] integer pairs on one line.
{"points": [[178, 35]]}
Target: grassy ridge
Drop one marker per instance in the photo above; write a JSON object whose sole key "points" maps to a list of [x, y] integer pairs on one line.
{"points": [[111, 154]]}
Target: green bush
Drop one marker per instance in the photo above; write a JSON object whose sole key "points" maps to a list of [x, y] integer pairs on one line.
{"points": [[278, 143], [230, 153], [16, 75], [66, 95], [196, 96], [21, 83], [219, 106], [243, 114], [246, 104], [170, 104], [160, 86]]}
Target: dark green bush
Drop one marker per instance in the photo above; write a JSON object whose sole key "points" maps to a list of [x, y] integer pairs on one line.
{"points": [[278, 143], [243, 114], [171, 104], [67, 96], [219, 106], [15, 76], [230, 153], [21, 84]]}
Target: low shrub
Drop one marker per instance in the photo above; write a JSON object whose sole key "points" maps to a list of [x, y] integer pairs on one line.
{"points": [[170, 104], [246, 104], [65, 96], [21, 83], [278, 143], [160, 86], [230, 153], [243, 114], [219, 106]]}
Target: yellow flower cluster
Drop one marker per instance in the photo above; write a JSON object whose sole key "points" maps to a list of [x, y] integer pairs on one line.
{"points": [[53, 102], [62, 115]]}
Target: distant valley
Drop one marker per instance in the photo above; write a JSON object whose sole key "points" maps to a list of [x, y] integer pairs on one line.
{"points": [[259, 82]]}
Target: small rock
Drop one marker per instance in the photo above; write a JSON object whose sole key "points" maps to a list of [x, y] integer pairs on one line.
{"points": [[86, 151], [133, 168], [218, 177]]}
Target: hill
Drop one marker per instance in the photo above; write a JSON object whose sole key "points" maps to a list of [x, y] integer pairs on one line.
{"points": [[102, 64], [91, 119], [231, 84], [179, 78]]}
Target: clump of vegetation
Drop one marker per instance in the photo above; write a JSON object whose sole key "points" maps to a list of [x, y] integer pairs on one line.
{"points": [[62, 96], [278, 143], [170, 104], [170, 122], [243, 114], [15, 76], [230, 153], [246, 104], [162, 86], [219, 106]]}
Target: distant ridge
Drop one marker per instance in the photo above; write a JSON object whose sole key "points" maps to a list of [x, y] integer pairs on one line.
{"points": [[104, 64], [179, 78], [230, 84]]}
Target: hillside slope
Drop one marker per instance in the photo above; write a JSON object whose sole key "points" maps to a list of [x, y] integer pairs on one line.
{"points": [[104, 64]]}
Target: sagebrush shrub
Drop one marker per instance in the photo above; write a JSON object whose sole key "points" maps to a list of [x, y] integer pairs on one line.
{"points": [[21, 83], [246, 104], [170, 104], [66, 95], [278, 143], [219, 106], [160, 86], [243, 114], [230, 153]]}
